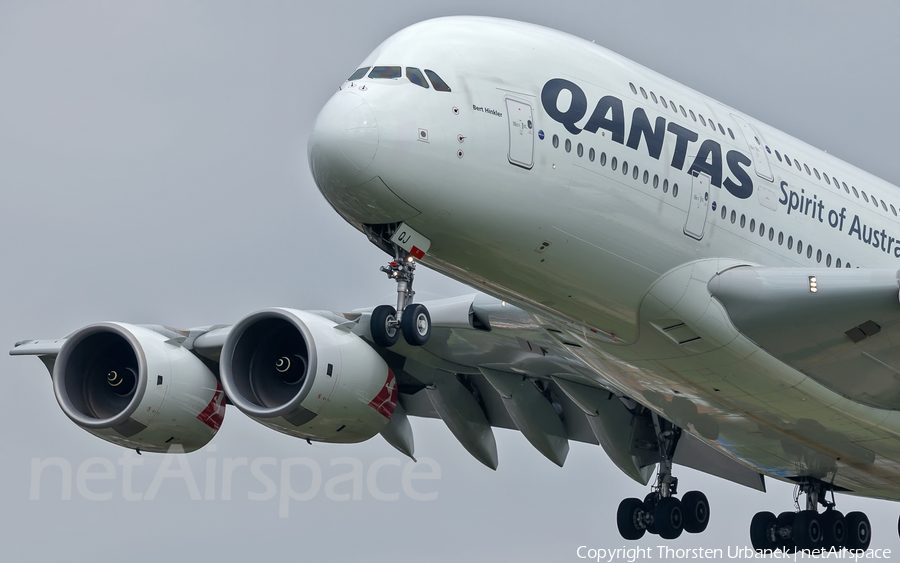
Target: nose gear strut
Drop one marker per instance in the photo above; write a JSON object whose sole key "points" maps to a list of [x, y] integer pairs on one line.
{"points": [[410, 319]]}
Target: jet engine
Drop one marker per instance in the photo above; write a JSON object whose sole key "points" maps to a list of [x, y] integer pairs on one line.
{"points": [[307, 376], [130, 386]]}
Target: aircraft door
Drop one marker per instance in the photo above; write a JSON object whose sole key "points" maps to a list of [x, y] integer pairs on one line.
{"points": [[757, 151], [521, 132], [698, 207]]}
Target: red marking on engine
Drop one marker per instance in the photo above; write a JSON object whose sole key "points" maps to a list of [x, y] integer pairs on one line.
{"points": [[386, 400], [417, 252], [214, 412]]}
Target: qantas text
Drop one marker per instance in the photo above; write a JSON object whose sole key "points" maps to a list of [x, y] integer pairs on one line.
{"points": [[609, 114]]}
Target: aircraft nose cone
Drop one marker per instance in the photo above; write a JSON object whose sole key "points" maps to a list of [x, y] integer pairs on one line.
{"points": [[343, 142]]}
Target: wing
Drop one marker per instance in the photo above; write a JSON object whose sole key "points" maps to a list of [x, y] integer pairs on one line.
{"points": [[487, 364], [839, 327]]}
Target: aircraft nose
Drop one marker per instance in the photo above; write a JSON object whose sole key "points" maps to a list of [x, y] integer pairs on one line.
{"points": [[343, 142]]}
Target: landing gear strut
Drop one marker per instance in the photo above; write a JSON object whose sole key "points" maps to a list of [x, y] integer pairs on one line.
{"points": [[809, 529], [410, 319], [660, 512]]}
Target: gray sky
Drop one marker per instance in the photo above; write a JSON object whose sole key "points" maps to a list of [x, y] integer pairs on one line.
{"points": [[153, 170]]}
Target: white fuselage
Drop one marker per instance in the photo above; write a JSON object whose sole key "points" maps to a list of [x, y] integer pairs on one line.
{"points": [[637, 190]]}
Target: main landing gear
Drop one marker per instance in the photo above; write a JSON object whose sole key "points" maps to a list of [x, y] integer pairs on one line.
{"points": [[660, 512], [809, 529], [410, 319]]}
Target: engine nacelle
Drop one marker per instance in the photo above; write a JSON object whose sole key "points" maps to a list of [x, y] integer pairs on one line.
{"points": [[300, 374], [127, 385]]}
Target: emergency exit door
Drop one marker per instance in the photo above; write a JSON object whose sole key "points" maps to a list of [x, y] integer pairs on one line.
{"points": [[521, 132], [698, 207]]}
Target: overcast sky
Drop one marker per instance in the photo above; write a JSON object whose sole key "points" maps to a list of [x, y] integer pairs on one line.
{"points": [[153, 170]]}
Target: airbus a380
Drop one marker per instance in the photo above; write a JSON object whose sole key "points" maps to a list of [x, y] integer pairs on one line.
{"points": [[670, 279]]}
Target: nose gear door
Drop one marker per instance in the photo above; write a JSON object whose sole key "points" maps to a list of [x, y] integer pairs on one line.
{"points": [[521, 132]]}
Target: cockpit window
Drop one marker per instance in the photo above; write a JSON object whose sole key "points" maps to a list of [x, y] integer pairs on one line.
{"points": [[436, 81], [416, 77], [385, 72], [359, 73]]}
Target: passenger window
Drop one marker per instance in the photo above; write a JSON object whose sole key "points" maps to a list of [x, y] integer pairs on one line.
{"points": [[733, 216], [743, 220], [385, 72], [591, 155], [777, 154], [580, 150], [797, 164], [805, 167], [416, 77], [722, 131], [652, 95], [724, 213], [643, 92], [436, 81], [893, 209], [817, 174], [702, 119], [827, 180], [633, 89], [602, 159], [856, 193], [838, 263], [684, 113], [790, 242], [711, 124], [752, 225], [665, 186], [674, 190], [694, 117], [865, 197], [731, 134], [663, 101], [780, 238], [613, 163], [359, 73], [828, 261]]}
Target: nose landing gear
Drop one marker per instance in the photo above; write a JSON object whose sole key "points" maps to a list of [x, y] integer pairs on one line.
{"points": [[410, 319]]}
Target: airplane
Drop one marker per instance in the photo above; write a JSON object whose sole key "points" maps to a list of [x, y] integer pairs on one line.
{"points": [[668, 278]]}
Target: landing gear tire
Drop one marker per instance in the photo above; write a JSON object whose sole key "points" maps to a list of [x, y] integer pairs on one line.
{"points": [[650, 502], [628, 519], [760, 526], [696, 512], [415, 323], [669, 518], [808, 530], [383, 326], [834, 529], [784, 520], [859, 531]]}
